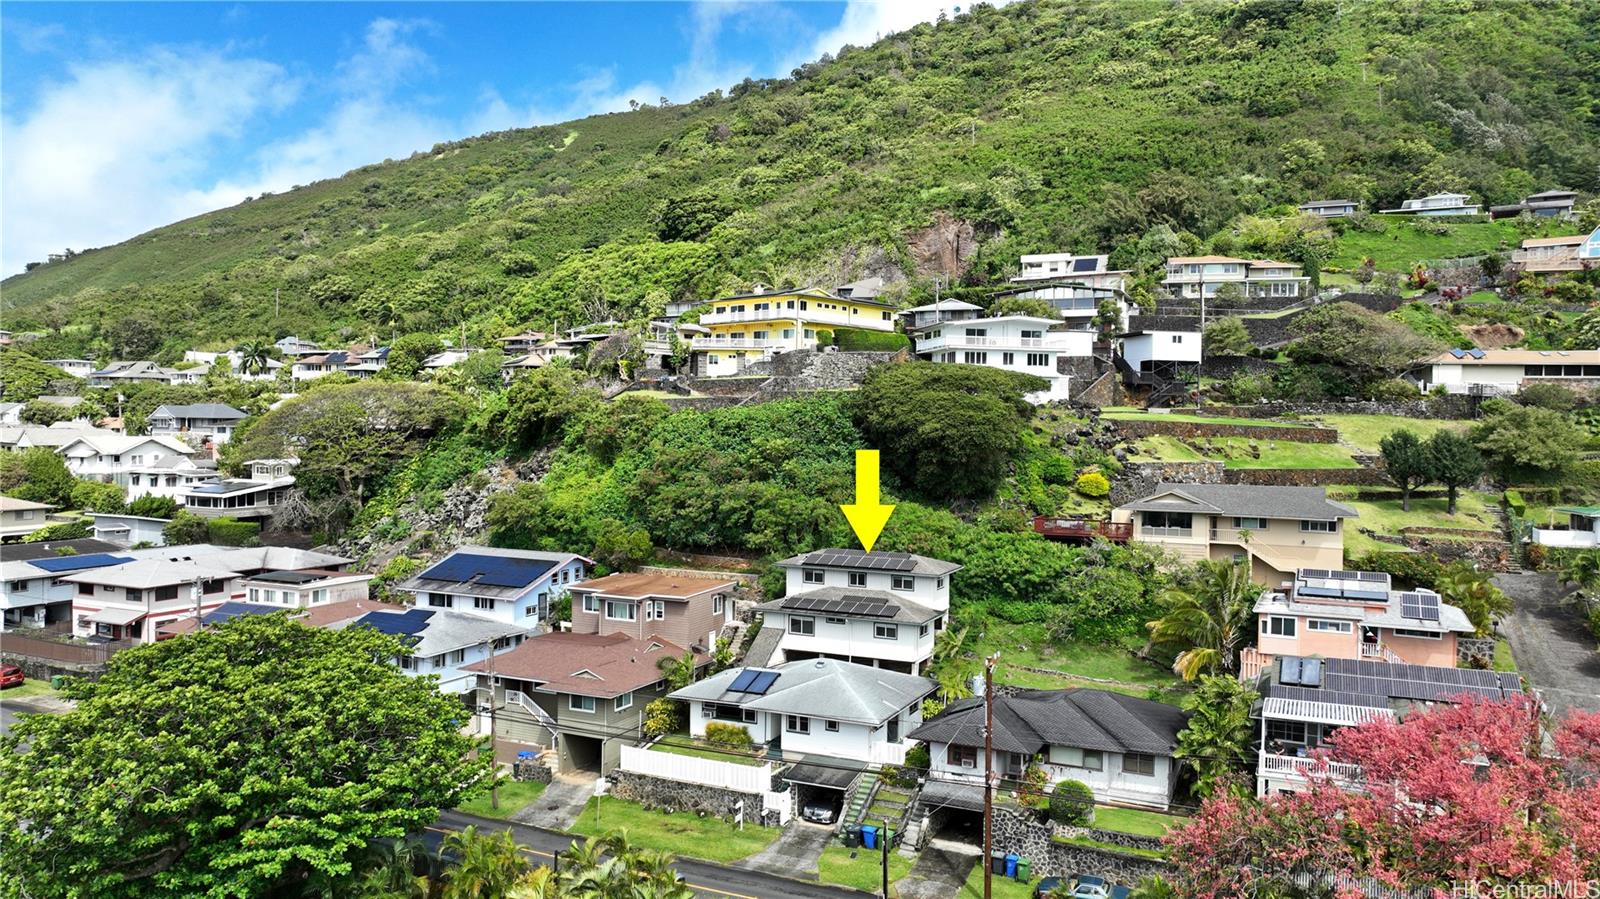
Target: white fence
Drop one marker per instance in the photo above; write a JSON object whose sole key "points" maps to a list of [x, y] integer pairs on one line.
{"points": [[709, 772], [887, 753]]}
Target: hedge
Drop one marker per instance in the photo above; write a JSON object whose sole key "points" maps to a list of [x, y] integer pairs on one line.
{"points": [[1072, 803], [727, 735], [860, 340], [233, 532]]}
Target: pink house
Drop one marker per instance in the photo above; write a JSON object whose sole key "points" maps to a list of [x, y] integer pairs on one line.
{"points": [[1354, 615]]}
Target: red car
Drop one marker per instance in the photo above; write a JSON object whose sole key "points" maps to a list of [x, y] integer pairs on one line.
{"points": [[10, 676]]}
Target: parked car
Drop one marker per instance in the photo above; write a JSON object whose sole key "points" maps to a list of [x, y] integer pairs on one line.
{"points": [[820, 811], [11, 676], [1047, 887], [1088, 886]]}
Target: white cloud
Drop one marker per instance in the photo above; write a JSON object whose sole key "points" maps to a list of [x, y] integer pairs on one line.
{"points": [[110, 150], [864, 21]]}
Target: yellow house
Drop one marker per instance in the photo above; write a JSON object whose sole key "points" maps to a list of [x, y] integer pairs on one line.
{"points": [[755, 326]]}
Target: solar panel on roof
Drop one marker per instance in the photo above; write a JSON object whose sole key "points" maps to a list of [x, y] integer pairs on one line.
{"points": [[79, 563], [763, 682], [1289, 671], [398, 624], [742, 683], [1085, 265], [1311, 672], [491, 571], [1314, 572]]}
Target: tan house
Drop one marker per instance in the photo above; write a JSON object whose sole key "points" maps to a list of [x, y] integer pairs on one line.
{"points": [[21, 517], [1334, 614], [1542, 255], [689, 611], [1278, 530]]}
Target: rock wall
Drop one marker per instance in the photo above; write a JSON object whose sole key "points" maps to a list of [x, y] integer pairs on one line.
{"points": [[1139, 479], [1030, 838], [1472, 649], [676, 796], [1453, 406], [1305, 477], [534, 771], [1133, 430], [1228, 366]]}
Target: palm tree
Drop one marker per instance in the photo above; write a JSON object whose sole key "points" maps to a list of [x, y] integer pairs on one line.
{"points": [[679, 671], [486, 864], [393, 874], [951, 665], [1211, 621], [1582, 569], [254, 357]]}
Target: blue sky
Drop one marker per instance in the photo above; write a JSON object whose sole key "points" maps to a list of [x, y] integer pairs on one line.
{"points": [[116, 118]]}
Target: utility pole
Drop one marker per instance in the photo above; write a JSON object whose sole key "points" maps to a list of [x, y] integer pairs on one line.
{"points": [[884, 857], [988, 775], [494, 749]]}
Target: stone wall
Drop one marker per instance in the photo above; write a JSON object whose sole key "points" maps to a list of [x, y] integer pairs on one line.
{"points": [[1305, 477], [1228, 366], [1453, 406], [1147, 427], [1139, 479], [535, 771], [677, 796], [742, 580], [1030, 838], [1470, 649]]}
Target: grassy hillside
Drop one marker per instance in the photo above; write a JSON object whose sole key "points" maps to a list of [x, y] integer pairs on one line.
{"points": [[1040, 126]]}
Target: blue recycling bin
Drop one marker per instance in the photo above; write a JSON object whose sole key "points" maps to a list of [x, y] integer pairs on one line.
{"points": [[869, 836], [1011, 865], [526, 756]]}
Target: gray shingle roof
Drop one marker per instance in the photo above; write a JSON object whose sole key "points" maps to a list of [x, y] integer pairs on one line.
{"points": [[1035, 719], [200, 410], [856, 560], [763, 647], [906, 611], [1248, 501], [821, 688]]}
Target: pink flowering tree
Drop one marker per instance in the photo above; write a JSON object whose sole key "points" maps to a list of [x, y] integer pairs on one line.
{"points": [[1463, 794]]}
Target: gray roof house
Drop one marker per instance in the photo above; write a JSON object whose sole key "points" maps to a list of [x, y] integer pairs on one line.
{"points": [[214, 420], [1120, 746]]}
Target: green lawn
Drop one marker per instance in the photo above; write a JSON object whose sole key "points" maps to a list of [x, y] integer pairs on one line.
{"points": [[1134, 821], [32, 688], [683, 744], [1400, 243], [1121, 413], [1028, 644], [1503, 660], [680, 833], [1003, 888], [1364, 431], [514, 796], [1474, 511], [1235, 452], [863, 872]]}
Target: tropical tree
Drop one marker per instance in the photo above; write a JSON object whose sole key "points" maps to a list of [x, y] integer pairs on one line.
{"points": [[254, 357], [1217, 740], [1454, 462], [482, 864], [679, 672], [952, 666], [1475, 594], [1581, 569], [1406, 463], [1208, 620]]}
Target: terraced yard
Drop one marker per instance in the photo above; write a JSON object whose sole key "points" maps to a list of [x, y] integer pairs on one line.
{"points": [[1363, 432], [1024, 646], [1245, 452], [683, 744], [1475, 511]]}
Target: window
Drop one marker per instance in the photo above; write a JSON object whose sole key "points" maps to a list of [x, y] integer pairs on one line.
{"points": [[805, 627], [886, 631], [1140, 763], [1172, 521], [1420, 635], [1332, 627], [660, 608], [617, 610], [1073, 757], [718, 603], [1009, 358], [624, 702], [483, 602], [580, 703], [858, 578], [168, 592], [977, 332], [458, 657], [591, 603], [1177, 338], [532, 610], [961, 756], [214, 586], [797, 724], [902, 582], [940, 583], [922, 631], [834, 620], [439, 600], [1319, 527], [830, 726], [566, 575], [1286, 731], [972, 358], [1250, 524], [811, 575], [86, 589], [1032, 335], [253, 593], [1278, 626]]}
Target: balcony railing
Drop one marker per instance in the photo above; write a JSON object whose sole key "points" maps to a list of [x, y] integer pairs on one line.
{"points": [[962, 340], [819, 316], [741, 343], [1082, 528], [1149, 531], [1379, 652], [1303, 767]]}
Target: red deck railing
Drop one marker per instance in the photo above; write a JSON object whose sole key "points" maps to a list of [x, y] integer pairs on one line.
{"points": [[1082, 528]]}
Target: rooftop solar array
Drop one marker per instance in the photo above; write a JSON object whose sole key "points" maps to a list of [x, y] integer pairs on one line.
{"points": [[859, 606], [1300, 672], [399, 624], [1088, 264], [79, 563], [1337, 680], [1422, 605], [855, 558], [492, 571], [1342, 583], [753, 680]]}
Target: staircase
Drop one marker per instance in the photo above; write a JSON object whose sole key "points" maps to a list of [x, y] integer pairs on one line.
{"points": [[855, 807]]}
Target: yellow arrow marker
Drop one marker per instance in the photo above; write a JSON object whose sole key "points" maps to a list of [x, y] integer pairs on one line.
{"points": [[867, 516]]}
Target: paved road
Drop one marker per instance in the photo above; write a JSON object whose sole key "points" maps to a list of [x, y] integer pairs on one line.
{"points": [[707, 879], [1551, 642]]}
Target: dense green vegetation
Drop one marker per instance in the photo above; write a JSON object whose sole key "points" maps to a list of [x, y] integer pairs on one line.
{"points": [[1139, 128]]}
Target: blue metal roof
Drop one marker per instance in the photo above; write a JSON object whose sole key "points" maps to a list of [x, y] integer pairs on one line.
{"points": [[493, 571], [409, 623], [79, 563]]}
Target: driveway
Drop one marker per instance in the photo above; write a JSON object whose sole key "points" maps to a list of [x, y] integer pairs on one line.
{"points": [[940, 871], [559, 806], [1551, 642], [794, 853]]}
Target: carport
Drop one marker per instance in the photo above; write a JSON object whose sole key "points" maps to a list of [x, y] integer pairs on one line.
{"points": [[955, 810], [829, 782], [579, 753]]}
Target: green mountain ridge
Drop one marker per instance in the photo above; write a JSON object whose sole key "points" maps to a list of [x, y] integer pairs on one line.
{"points": [[949, 148]]}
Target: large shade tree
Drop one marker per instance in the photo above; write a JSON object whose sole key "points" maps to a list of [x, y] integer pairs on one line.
{"points": [[258, 757]]}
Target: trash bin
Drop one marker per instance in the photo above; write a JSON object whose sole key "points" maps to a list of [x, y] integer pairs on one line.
{"points": [[1011, 866], [57, 681], [1023, 867], [888, 836], [997, 862], [852, 837], [526, 755], [869, 836]]}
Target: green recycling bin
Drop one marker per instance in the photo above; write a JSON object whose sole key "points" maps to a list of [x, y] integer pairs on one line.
{"points": [[57, 681], [1022, 870]]}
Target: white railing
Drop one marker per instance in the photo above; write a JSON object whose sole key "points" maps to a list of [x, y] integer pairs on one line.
{"points": [[689, 769], [1379, 651], [887, 753], [813, 314], [526, 703], [739, 343], [1275, 765], [1148, 531], [959, 340]]}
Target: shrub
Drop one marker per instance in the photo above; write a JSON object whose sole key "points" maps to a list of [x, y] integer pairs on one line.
{"points": [[1548, 396], [66, 530], [1092, 483], [728, 735], [918, 758], [233, 532], [861, 340], [1072, 803], [152, 506], [662, 717]]}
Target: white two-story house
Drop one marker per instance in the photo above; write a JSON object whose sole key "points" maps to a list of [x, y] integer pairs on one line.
{"points": [[511, 585], [196, 422], [1020, 343], [880, 609], [1437, 204], [442, 642], [113, 458], [1074, 285], [1119, 746], [1193, 277], [30, 593]]}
